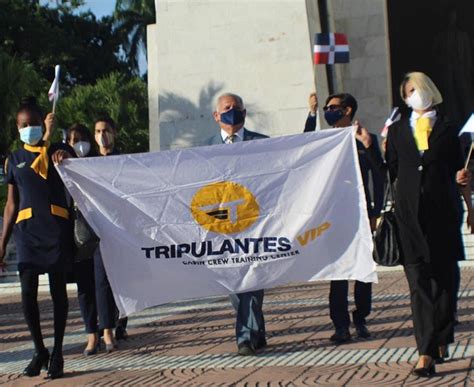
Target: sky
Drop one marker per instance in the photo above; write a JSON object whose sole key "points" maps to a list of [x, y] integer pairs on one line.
{"points": [[103, 8], [106, 7], [100, 7]]}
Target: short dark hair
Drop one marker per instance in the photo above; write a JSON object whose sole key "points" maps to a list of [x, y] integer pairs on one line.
{"points": [[30, 105], [347, 100], [85, 132], [107, 119]]}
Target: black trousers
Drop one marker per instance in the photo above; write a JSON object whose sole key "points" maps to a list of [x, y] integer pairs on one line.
{"points": [[339, 305], [29, 301], [432, 289], [106, 307], [457, 288], [84, 274]]}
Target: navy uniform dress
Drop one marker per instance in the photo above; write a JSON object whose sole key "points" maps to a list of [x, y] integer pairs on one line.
{"points": [[43, 229], [43, 237]]}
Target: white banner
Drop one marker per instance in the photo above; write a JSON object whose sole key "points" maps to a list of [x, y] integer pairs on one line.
{"points": [[226, 218]]}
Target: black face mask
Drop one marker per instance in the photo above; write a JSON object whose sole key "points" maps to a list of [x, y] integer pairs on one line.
{"points": [[332, 116], [233, 117]]}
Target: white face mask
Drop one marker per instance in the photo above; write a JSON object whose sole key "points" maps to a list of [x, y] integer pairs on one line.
{"points": [[419, 100], [105, 139], [82, 148]]}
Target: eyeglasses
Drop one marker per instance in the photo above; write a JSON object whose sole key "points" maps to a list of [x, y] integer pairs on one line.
{"points": [[331, 107]]}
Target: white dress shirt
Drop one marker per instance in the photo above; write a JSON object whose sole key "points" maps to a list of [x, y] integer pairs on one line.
{"points": [[238, 136]]}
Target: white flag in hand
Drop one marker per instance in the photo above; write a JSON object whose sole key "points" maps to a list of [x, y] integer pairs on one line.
{"points": [[469, 126], [53, 93]]}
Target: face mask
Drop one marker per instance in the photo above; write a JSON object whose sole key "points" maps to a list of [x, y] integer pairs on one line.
{"points": [[105, 140], [332, 116], [232, 117], [31, 135], [82, 148], [419, 100]]}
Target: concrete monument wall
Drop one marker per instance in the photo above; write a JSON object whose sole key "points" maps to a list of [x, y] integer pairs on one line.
{"points": [[368, 75], [259, 49]]}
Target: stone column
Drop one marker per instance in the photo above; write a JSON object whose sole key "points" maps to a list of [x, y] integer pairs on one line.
{"points": [[261, 50], [368, 75]]}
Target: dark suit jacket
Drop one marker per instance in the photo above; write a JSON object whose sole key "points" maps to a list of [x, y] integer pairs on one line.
{"points": [[371, 177], [310, 124], [248, 135], [427, 200]]}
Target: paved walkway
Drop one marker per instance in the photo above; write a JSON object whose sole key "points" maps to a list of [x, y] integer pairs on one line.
{"points": [[191, 343]]}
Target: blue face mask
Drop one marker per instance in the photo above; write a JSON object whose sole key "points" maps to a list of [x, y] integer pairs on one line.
{"points": [[31, 135], [232, 117], [332, 116]]}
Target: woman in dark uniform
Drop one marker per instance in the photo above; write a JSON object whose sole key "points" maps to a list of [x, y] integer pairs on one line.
{"points": [[81, 140], [37, 210], [424, 155], [106, 308]]}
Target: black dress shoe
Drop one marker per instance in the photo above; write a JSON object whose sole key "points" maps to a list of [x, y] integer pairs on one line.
{"points": [[246, 349], [342, 335], [262, 343], [40, 361], [56, 366], [425, 372], [121, 333], [362, 331]]}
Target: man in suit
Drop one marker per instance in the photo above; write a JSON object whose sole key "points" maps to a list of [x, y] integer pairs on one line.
{"points": [[250, 326], [339, 111], [310, 124]]}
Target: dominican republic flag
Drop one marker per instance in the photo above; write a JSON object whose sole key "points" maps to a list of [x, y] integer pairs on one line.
{"points": [[330, 48]]}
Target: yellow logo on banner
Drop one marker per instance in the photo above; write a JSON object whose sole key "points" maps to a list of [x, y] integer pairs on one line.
{"points": [[225, 207]]}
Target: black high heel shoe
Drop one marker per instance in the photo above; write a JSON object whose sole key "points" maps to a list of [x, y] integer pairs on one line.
{"points": [[40, 361], [56, 366], [425, 372], [109, 348], [443, 354], [93, 351]]}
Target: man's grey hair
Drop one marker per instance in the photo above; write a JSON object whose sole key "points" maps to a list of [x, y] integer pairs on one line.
{"points": [[236, 97]]}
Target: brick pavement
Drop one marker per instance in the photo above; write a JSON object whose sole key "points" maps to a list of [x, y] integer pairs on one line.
{"points": [[192, 343]]}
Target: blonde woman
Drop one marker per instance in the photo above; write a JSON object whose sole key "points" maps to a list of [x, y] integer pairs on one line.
{"points": [[424, 155]]}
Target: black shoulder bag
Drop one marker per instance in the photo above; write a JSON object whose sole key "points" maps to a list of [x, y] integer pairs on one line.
{"points": [[386, 240], [85, 239]]}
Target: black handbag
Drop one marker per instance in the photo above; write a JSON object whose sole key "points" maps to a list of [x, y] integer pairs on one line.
{"points": [[85, 239], [386, 240]]}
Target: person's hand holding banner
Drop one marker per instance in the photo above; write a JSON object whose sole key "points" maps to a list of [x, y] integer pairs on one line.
{"points": [[363, 135]]}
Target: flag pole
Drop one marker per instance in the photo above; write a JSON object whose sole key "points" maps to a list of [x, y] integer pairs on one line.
{"points": [[468, 157]]}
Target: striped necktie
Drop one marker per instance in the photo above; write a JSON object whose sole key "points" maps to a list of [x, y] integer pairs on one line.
{"points": [[231, 139]]}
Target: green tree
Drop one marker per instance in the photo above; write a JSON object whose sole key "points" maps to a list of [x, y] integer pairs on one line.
{"points": [[124, 99], [18, 78], [86, 48], [131, 19]]}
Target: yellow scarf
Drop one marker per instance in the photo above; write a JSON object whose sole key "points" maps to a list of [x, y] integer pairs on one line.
{"points": [[41, 163], [423, 130]]}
